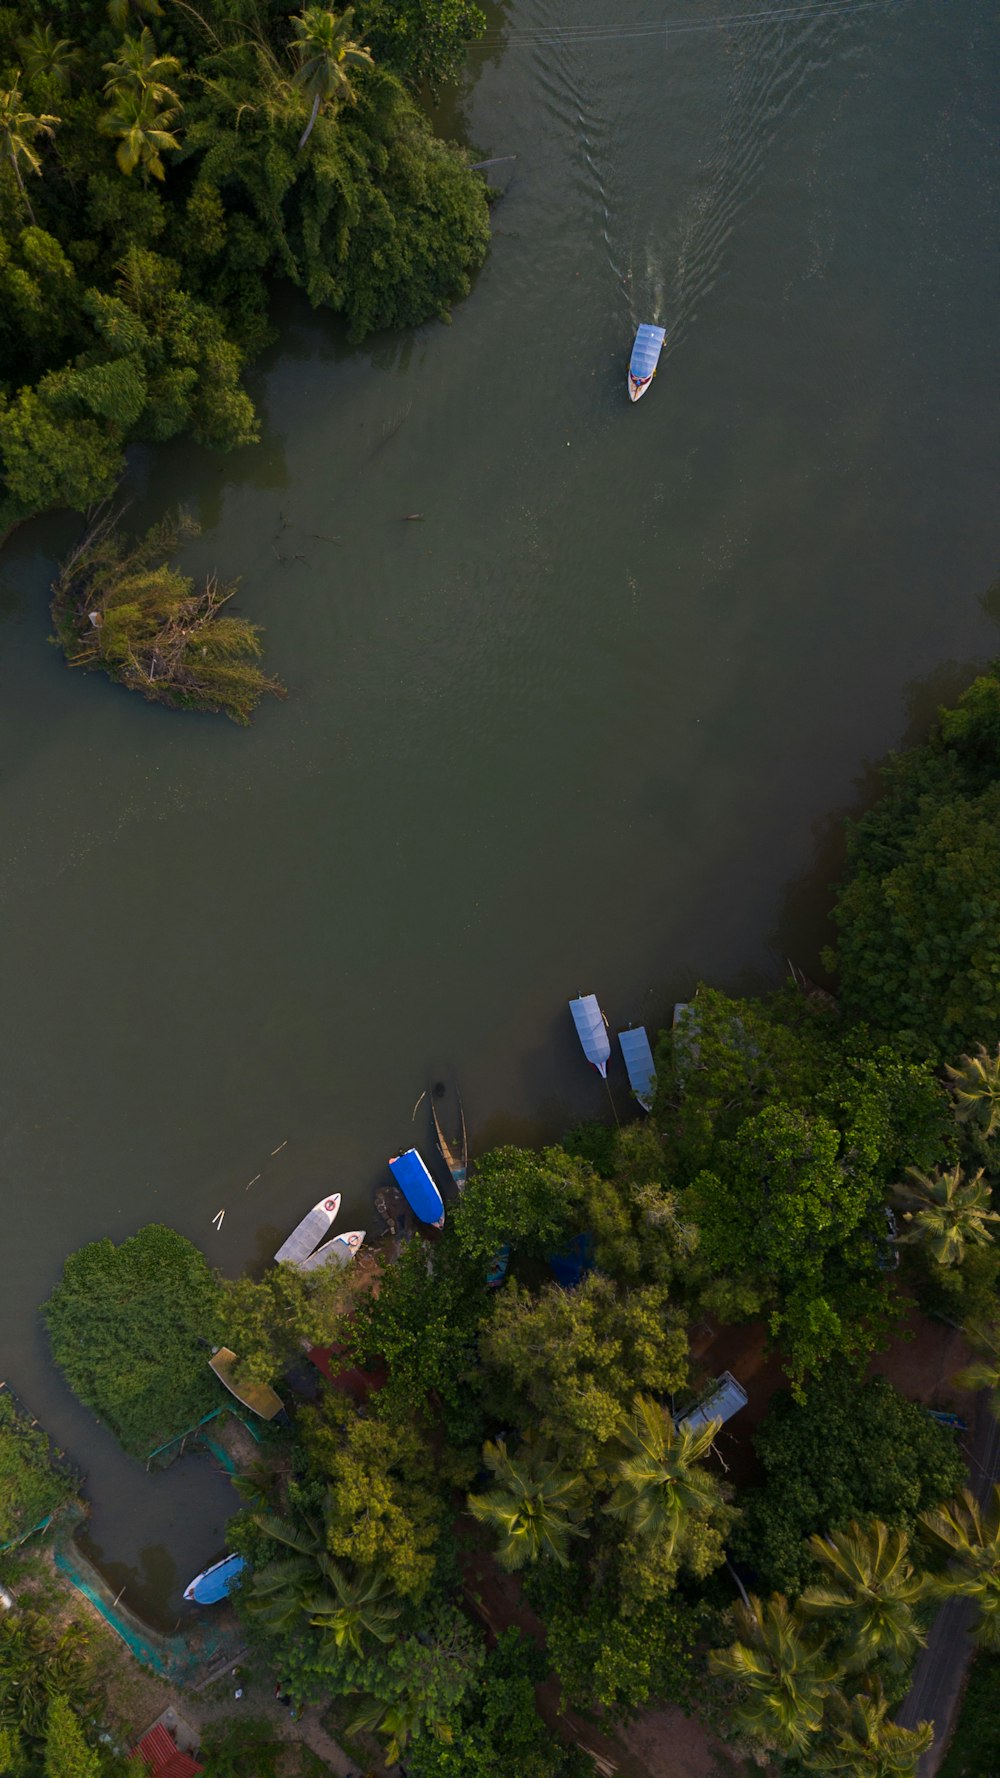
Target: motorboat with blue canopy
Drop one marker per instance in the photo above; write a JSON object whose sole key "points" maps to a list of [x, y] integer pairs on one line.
{"points": [[592, 1031], [639, 1062], [418, 1187], [725, 1400], [646, 349], [215, 1583]]}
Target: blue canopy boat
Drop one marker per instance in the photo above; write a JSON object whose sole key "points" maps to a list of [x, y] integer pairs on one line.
{"points": [[592, 1030], [639, 1062], [646, 350], [215, 1583], [418, 1187]]}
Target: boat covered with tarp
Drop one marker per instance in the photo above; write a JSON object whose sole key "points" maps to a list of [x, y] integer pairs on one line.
{"points": [[592, 1030], [570, 1264], [338, 1252], [725, 1399], [646, 349], [418, 1187], [217, 1582], [308, 1233], [260, 1398], [639, 1063], [497, 1270]]}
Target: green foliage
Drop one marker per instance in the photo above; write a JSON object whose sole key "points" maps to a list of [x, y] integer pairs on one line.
{"points": [[519, 1195], [974, 1749], [236, 1746], [420, 1683], [611, 1651], [780, 1675], [533, 1507], [131, 1328], [497, 1728], [67, 1754], [970, 1534], [119, 606], [422, 40], [919, 912], [852, 1450], [30, 1486], [564, 1362], [671, 1507], [40, 1661], [423, 1322], [267, 1322]]}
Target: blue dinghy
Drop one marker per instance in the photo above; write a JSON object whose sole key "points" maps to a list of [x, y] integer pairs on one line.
{"points": [[217, 1582], [646, 350], [592, 1030], [639, 1062], [418, 1187]]}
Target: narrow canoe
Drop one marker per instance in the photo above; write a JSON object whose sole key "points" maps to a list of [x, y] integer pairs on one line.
{"points": [[338, 1252], [258, 1397], [215, 1583], [309, 1232], [646, 351], [592, 1030], [639, 1063], [418, 1187], [455, 1159]]}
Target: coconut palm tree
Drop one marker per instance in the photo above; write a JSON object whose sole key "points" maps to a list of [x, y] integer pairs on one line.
{"points": [[534, 1505], [952, 1212], [144, 132], [871, 1592], [975, 1085], [971, 1535], [658, 1488], [310, 1584], [139, 66], [784, 1676], [19, 130], [862, 1742], [984, 1371], [325, 52], [50, 62]]}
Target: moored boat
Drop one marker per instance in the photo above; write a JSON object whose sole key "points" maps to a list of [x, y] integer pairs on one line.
{"points": [[498, 1266], [456, 1158], [592, 1030], [308, 1233], [639, 1063], [418, 1188], [646, 350], [260, 1398], [215, 1583], [338, 1252]]}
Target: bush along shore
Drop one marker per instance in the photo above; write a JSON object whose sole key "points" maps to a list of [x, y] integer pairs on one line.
{"points": [[811, 1172]]}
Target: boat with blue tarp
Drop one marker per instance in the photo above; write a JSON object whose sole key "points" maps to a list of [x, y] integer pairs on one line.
{"points": [[498, 1266], [639, 1063], [418, 1188], [215, 1583], [646, 349], [592, 1030], [572, 1261]]}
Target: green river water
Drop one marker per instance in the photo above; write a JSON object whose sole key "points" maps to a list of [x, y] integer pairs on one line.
{"points": [[589, 723]]}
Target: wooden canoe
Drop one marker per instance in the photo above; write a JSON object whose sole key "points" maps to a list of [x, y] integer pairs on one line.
{"points": [[260, 1398], [455, 1159]]}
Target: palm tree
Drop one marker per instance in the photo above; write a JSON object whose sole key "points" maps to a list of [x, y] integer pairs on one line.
{"points": [[984, 1371], [533, 1506], [49, 61], [118, 11], [324, 52], [976, 1088], [785, 1678], [18, 130], [657, 1488], [310, 1584], [971, 1535], [862, 1742], [139, 66], [144, 132], [952, 1212], [872, 1588]]}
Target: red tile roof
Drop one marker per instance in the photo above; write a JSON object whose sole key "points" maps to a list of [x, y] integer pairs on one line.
{"points": [[163, 1757]]}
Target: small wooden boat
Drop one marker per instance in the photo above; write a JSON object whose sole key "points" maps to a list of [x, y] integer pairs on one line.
{"points": [[455, 1159], [338, 1252], [217, 1582], [309, 1232], [646, 351], [592, 1030], [498, 1267], [260, 1398], [639, 1063], [418, 1188]]}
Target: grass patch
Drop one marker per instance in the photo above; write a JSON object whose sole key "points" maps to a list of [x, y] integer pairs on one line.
{"points": [[31, 1487], [975, 1746]]}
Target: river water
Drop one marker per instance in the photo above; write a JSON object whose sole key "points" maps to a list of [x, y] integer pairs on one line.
{"points": [[581, 725]]}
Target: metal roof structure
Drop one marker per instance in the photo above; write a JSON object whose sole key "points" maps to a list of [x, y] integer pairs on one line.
{"points": [[725, 1400]]}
